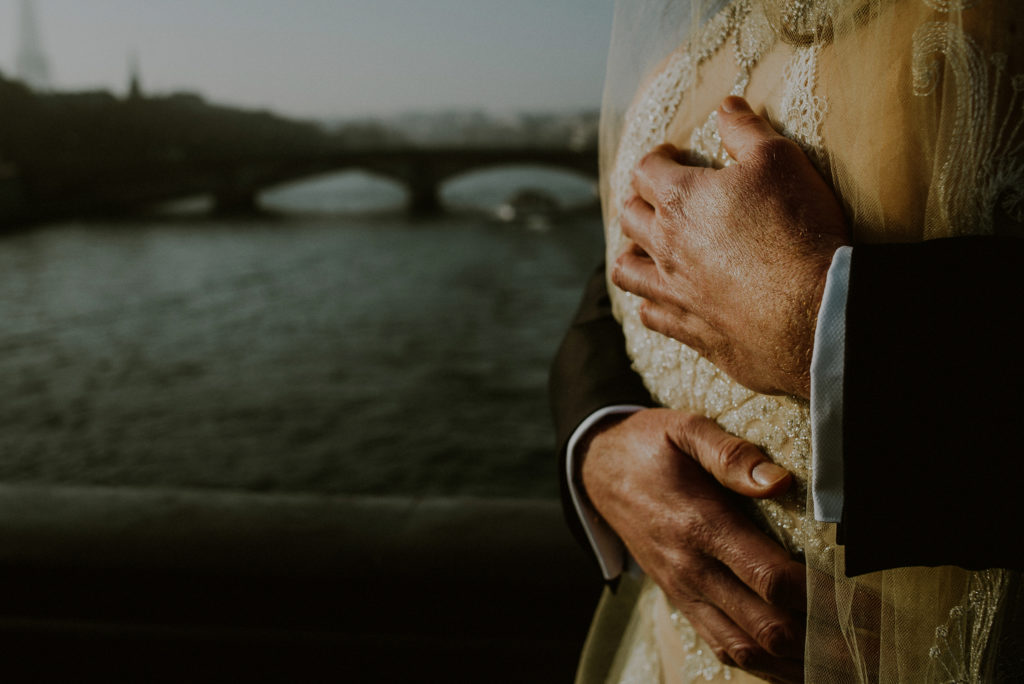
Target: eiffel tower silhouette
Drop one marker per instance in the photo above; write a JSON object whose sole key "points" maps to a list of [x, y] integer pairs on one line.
{"points": [[31, 64]]}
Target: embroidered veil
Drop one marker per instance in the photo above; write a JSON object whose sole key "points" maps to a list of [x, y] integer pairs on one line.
{"points": [[913, 111]]}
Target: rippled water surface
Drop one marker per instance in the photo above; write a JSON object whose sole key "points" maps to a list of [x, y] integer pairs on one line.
{"points": [[300, 352]]}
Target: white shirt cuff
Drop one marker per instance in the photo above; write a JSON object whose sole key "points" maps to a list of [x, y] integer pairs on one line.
{"points": [[610, 552], [827, 362]]}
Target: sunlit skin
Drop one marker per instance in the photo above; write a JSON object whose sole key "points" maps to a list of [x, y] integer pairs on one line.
{"points": [[731, 262]]}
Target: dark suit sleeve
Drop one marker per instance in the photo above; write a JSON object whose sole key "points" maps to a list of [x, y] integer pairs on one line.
{"points": [[590, 371], [932, 397]]}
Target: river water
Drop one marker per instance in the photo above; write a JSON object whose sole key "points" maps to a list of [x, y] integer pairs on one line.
{"points": [[303, 351]]}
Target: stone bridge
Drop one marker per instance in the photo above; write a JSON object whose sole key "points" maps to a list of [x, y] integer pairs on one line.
{"points": [[236, 184], [421, 170]]}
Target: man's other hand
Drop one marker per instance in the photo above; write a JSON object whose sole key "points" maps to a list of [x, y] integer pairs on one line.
{"points": [[652, 476], [732, 261]]}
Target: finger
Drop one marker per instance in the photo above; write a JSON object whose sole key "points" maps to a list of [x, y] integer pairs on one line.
{"points": [[756, 560], [637, 220], [742, 131], [637, 273], [659, 173], [732, 538], [762, 564], [673, 320], [735, 463], [780, 632], [730, 643], [719, 632]]}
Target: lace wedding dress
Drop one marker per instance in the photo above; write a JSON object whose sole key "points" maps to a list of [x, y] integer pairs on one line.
{"points": [[924, 90]]}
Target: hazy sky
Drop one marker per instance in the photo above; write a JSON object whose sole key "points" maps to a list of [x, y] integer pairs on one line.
{"points": [[328, 58]]}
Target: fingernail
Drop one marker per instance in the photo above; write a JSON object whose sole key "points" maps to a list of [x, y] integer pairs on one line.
{"points": [[733, 104], [766, 474]]}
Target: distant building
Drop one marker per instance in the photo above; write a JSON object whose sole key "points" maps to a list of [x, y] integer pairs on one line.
{"points": [[134, 78], [30, 64]]}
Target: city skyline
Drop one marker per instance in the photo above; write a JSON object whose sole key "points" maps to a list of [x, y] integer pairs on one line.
{"points": [[327, 59]]}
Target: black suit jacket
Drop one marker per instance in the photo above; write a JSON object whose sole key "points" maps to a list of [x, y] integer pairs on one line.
{"points": [[933, 393], [590, 371], [933, 390]]}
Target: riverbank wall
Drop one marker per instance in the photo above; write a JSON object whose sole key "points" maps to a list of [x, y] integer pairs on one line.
{"points": [[150, 585]]}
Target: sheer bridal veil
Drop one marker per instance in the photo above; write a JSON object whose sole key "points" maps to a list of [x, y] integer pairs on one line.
{"points": [[912, 110]]}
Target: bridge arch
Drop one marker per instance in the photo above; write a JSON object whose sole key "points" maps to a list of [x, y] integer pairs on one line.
{"points": [[424, 170], [487, 187], [344, 190]]}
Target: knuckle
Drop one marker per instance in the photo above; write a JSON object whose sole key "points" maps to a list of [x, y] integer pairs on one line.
{"points": [[647, 315], [684, 566], [774, 636], [669, 266], [700, 533], [680, 593], [683, 600], [632, 205], [746, 656], [776, 151], [774, 582], [732, 453], [723, 655], [662, 150], [688, 423], [698, 421], [684, 582], [617, 274], [644, 164], [694, 429], [672, 196], [747, 119], [699, 427], [770, 582]]}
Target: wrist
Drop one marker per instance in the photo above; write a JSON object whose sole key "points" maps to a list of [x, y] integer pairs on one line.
{"points": [[590, 468], [806, 316]]}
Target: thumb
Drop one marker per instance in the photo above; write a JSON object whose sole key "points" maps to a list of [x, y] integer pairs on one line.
{"points": [[742, 131], [736, 464]]}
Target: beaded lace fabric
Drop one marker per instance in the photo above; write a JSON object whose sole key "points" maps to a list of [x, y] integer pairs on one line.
{"points": [[925, 91]]}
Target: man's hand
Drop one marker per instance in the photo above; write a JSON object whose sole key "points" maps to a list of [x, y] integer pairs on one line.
{"points": [[652, 477], [732, 262]]}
